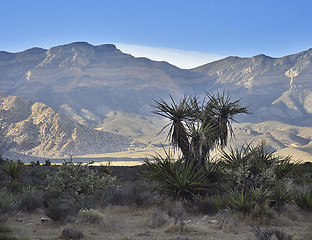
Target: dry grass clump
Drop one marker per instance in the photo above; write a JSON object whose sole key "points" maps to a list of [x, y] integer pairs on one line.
{"points": [[157, 219], [190, 230]]}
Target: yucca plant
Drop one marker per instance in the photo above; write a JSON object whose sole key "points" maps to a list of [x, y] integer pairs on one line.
{"points": [[214, 171], [304, 199], [177, 113], [260, 200], [8, 202], [285, 167], [250, 166], [219, 202], [260, 195], [281, 195], [175, 179], [240, 200], [198, 127], [13, 169], [220, 111]]}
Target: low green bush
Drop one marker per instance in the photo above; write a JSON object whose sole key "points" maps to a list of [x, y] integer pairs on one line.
{"points": [[59, 209], [31, 199], [137, 193], [90, 216], [9, 203], [77, 179]]}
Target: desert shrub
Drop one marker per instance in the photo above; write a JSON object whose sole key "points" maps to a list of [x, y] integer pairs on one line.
{"points": [[70, 234], [260, 200], [219, 202], [31, 199], [211, 204], [253, 203], [90, 216], [76, 179], [157, 219], [267, 233], [203, 204], [8, 202], [250, 166], [59, 209], [303, 198], [72, 187], [129, 193], [302, 173]]}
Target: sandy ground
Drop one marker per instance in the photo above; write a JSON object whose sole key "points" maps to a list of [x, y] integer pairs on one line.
{"points": [[124, 223]]}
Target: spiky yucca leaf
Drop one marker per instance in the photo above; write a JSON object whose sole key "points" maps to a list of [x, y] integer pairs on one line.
{"points": [[13, 169], [285, 166], [304, 199], [175, 179]]}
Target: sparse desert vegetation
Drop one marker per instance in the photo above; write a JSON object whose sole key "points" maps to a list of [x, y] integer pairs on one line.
{"points": [[247, 193]]}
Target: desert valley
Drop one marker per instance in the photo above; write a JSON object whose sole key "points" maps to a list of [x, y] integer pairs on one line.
{"points": [[79, 99]]}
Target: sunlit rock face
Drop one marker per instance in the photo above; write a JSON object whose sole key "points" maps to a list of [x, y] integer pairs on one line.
{"points": [[33, 128], [89, 84]]}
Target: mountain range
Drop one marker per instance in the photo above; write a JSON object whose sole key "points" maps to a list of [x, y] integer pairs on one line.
{"points": [[33, 128], [102, 89]]}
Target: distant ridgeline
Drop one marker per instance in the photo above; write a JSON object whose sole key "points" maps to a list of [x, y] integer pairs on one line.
{"points": [[100, 87]]}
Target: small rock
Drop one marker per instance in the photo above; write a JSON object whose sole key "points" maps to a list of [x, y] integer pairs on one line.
{"points": [[69, 233], [213, 221], [45, 219]]}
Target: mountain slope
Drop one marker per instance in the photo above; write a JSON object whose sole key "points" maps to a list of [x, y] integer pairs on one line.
{"points": [[86, 82], [105, 89], [33, 128], [278, 89]]}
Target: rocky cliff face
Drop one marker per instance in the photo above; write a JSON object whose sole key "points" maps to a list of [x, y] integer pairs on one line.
{"points": [[277, 89], [33, 128], [92, 83], [86, 82]]}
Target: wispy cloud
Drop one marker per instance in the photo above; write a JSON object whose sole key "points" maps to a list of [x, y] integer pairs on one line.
{"points": [[180, 58]]}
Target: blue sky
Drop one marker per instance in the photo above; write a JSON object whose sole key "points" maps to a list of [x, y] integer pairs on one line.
{"points": [[190, 32]]}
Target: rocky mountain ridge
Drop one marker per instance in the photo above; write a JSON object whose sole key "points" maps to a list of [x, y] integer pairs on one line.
{"points": [[277, 89], [33, 128], [106, 89]]}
